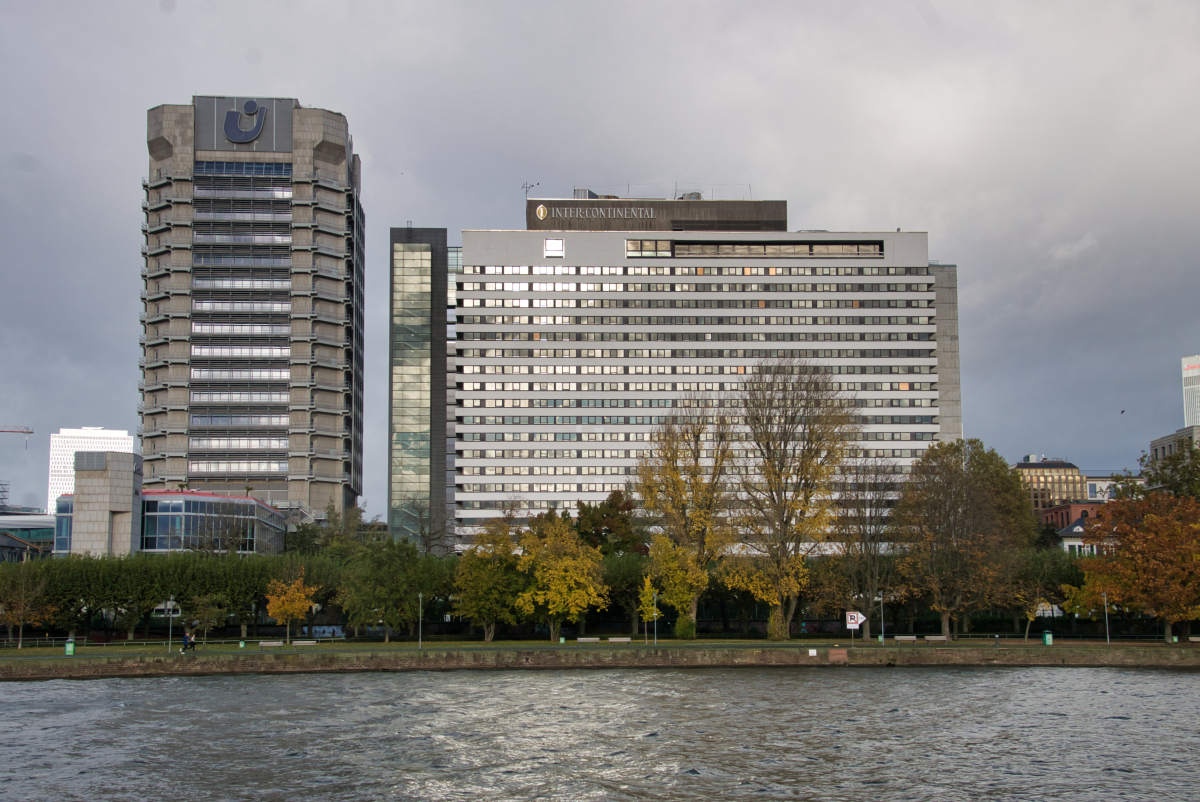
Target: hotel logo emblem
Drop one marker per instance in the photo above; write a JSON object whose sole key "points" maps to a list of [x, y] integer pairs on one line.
{"points": [[233, 128], [542, 211]]}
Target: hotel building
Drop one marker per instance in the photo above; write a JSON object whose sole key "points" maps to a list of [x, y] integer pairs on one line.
{"points": [[575, 337], [253, 344]]}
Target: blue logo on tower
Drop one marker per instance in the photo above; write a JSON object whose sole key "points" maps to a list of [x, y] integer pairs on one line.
{"points": [[233, 127]]}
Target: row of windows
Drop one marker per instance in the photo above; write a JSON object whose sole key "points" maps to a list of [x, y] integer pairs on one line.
{"points": [[561, 420], [240, 398], [234, 351], [659, 248], [237, 466], [241, 261], [542, 488], [691, 353], [242, 306], [561, 470], [696, 336], [242, 168], [575, 403], [568, 270], [521, 286], [242, 239], [264, 193], [246, 374], [242, 283], [804, 353], [244, 216], [241, 420], [854, 453], [519, 320], [662, 387], [845, 386], [240, 328], [238, 442]]}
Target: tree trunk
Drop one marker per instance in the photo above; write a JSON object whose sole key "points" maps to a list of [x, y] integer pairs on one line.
{"points": [[387, 634], [288, 630], [724, 617], [244, 627], [21, 632], [866, 629], [10, 633], [776, 629], [789, 613], [633, 620], [553, 627], [489, 631], [1028, 624], [132, 633], [583, 623], [694, 608], [1017, 626], [1166, 630], [966, 623], [912, 623], [945, 625]]}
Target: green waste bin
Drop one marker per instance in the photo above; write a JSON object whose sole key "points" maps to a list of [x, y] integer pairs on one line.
{"points": [[562, 640], [241, 644], [1048, 638], [1174, 639], [70, 648]]}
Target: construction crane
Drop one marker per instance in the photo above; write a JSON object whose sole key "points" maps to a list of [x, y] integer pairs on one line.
{"points": [[25, 430]]}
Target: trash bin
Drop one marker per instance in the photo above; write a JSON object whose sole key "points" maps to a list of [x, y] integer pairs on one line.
{"points": [[562, 640], [241, 644], [1174, 639], [1048, 638], [70, 648]]}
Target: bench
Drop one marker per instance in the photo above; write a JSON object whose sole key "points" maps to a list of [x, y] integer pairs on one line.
{"points": [[588, 640], [942, 638], [905, 637], [262, 644], [618, 640], [304, 643], [1193, 639]]}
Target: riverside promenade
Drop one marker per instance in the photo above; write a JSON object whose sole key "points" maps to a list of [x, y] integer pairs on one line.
{"points": [[131, 661]]}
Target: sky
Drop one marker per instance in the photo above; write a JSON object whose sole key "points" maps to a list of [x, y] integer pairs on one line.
{"points": [[1049, 149]]}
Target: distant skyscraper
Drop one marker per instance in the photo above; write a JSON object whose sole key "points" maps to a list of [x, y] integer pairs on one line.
{"points": [[253, 345], [1191, 390], [62, 455]]}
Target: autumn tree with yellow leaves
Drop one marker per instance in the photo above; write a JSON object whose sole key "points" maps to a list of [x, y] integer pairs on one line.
{"points": [[684, 481], [565, 576], [290, 601], [799, 426]]}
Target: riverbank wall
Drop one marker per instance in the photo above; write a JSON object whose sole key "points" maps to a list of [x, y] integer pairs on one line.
{"points": [[575, 657]]}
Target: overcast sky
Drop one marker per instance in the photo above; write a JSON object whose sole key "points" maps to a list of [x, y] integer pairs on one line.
{"points": [[1049, 149]]}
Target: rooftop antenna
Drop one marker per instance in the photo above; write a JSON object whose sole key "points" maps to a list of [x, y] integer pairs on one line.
{"points": [[528, 186]]}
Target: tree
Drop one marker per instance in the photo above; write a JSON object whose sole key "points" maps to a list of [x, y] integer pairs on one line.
{"points": [[138, 589], [684, 480], [1037, 577], [623, 575], [612, 525], [799, 426], [487, 580], [22, 596], [1177, 474], [958, 514], [678, 573], [1148, 557], [433, 531], [210, 611], [868, 492], [382, 586], [289, 601], [565, 576], [646, 606]]}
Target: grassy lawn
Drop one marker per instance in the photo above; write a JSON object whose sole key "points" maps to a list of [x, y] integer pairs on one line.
{"points": [[122, 648]]}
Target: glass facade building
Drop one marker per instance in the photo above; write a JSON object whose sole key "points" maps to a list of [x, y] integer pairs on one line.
{"points": [[191, 521], [417, 387]]}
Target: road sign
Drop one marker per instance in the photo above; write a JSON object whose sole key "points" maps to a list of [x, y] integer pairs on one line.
{"points": [[854, 620]]}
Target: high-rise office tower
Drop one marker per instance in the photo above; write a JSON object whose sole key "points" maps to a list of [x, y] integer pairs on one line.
{"points": [[253, 345], [577, 336], [1191, 390], [63, 446]]}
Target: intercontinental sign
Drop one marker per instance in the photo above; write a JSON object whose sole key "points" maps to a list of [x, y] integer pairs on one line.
{"points": [[608, 212]]}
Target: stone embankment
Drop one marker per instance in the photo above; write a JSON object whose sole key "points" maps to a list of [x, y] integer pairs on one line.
{"points": [[575, 657]]}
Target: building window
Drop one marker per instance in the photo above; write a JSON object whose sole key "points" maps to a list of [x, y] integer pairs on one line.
{"points": [[554, 249]]}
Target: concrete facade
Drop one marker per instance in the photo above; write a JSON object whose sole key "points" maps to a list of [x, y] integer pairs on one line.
{"points": [[572, 345], [253, 299], [108, 504]]}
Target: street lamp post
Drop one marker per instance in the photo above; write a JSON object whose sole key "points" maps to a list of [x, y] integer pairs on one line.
{"points": [[420, 618], [655, 618], [1107, 637], [170, 621]]}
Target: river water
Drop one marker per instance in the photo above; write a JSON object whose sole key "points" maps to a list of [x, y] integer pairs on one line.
{"points": [[811, 734]]}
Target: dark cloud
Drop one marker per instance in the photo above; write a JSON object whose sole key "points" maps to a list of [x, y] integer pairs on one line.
{"points": [[1048, 149]]}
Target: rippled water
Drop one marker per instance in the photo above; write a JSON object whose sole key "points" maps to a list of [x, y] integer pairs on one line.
{"points": [[813, 734]]}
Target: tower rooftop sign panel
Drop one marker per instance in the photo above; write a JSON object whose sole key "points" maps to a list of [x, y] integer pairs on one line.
{"points": [[640, 214], [258, 124]]}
